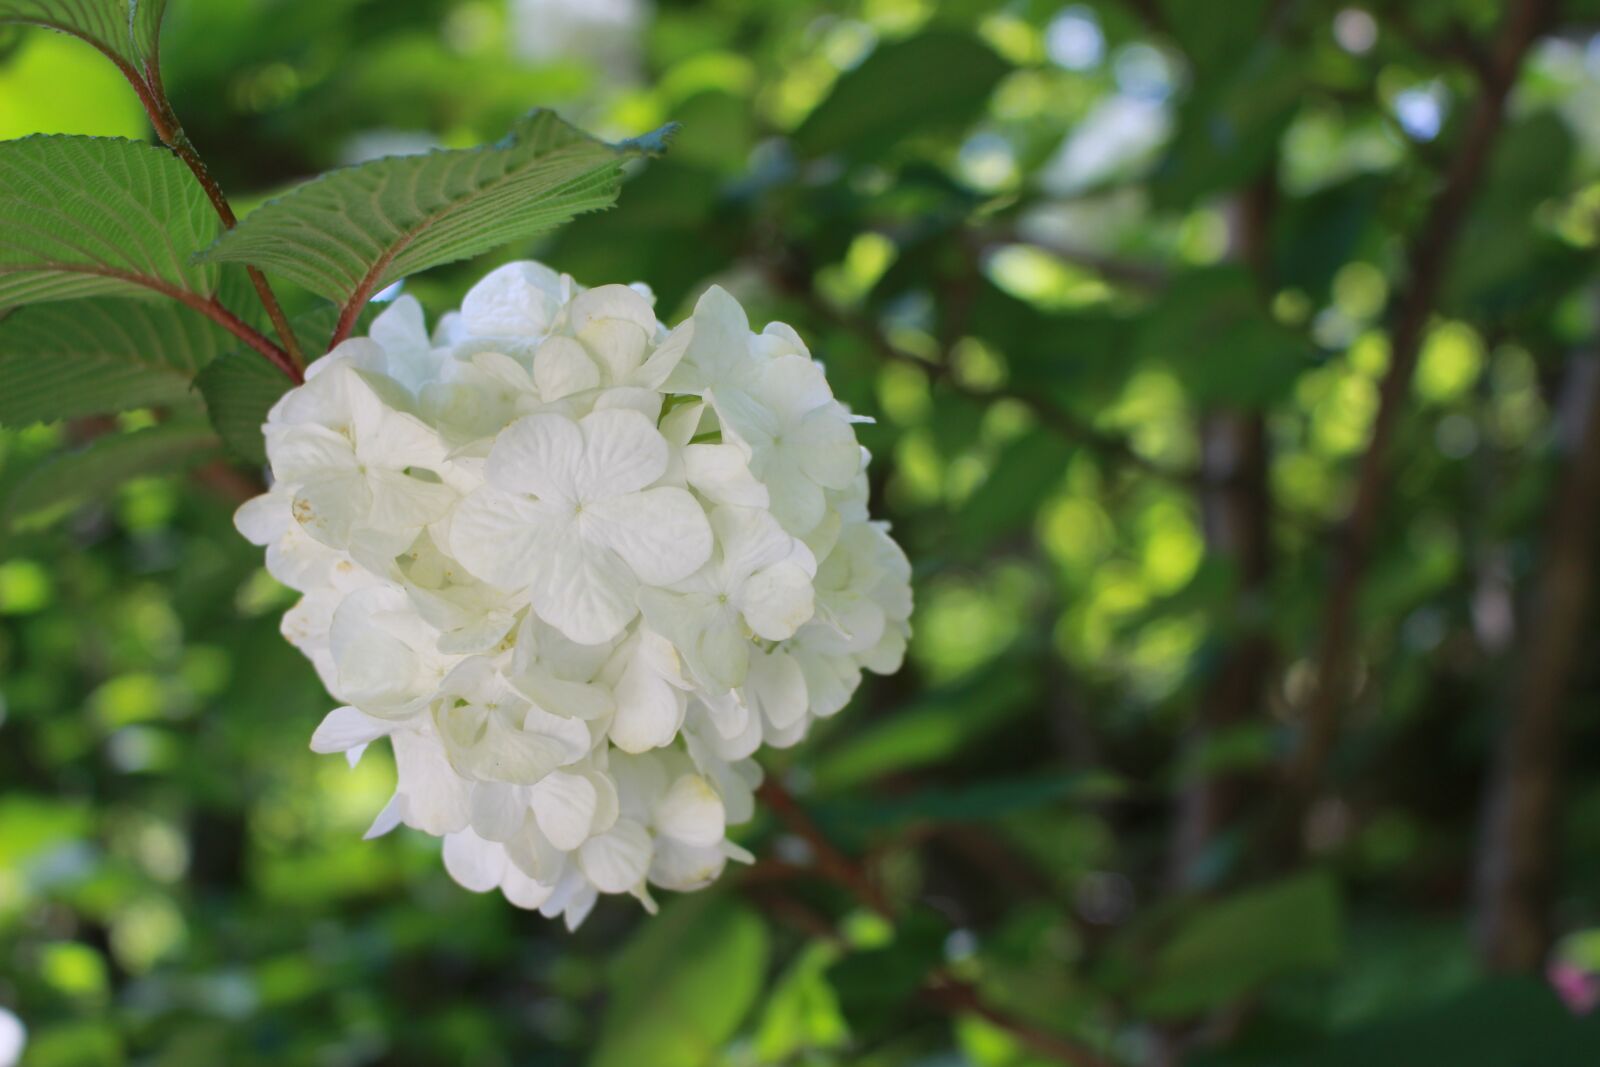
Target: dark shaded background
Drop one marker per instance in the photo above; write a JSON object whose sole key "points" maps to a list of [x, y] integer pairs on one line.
{"points": [[1234, 368]]}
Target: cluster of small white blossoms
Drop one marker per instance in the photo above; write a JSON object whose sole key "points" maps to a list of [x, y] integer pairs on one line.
{"points": [[577, 568]]}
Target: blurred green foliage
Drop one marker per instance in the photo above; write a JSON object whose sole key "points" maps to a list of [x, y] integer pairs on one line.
{"points": [[1017, 233]]}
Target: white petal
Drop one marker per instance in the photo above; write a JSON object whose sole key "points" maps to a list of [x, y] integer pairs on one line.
{"points": [[331, 506], [561, 368], [437, 799], [392, 815], [827, 448], [263, 519], [750, 539], [617, 860], [777, 688], [518, 300], [777, 601], [301, 451], [623, 453], [617, 302], [474, 863], [649, 707], [539, 454], [617, 346], [722, 474], [661, 533], [522, 891], [691, 812], [498, 810], [346, 728], [564, 806], [502, 538], [535, 855], [584, 590], [400, 501], [684, 868], [792, 385], [395, 440], [797, 501]]}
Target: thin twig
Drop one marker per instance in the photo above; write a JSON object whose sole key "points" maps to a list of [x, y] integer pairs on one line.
{"points": [[942, 990], [1428, 259]]}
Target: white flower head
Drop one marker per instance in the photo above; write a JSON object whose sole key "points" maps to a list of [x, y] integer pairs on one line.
{"points": [[577, 569]]}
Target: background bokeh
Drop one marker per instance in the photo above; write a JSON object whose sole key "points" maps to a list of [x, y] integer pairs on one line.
{"points": [[1118, 282]]}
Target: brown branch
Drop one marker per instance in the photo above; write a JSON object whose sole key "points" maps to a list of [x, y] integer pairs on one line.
{"points": [[164, 120], [831, 862], [1236, 515], [942, 990], [1427, 261], [1517, 847]]}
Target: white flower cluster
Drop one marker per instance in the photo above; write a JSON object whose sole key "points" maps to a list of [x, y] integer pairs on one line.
{"points": [[577, 568]]}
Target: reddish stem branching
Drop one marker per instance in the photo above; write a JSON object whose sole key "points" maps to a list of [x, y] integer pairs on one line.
{"points": [[287, 357], [942, 990]]}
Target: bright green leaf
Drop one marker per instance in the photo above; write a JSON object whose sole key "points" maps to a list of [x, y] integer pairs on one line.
{"points": [[939, 79], [127, 31], [90, 357], [93, 216], [64, 482], [683, 985], [351, 232], [802, 1012]]}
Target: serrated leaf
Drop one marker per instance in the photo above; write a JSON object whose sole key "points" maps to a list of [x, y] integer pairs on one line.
{"points": [[95, 216], [353, 231], [99, 356], [871, 110], [127, 31], [683, 985], [239, 389], [71, 479]]}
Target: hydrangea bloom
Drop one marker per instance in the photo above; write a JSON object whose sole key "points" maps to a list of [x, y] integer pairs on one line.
{"points": [[577, 569]]}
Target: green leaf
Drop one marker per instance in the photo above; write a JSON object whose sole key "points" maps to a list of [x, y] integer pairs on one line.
{"points": [[351, 232], [240, 387], [1026, 470], [1237, 944], [936, 80], [93, 216], [683, 985], [127, 31], [64, 482], [91, 357], [802, 1012]]}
